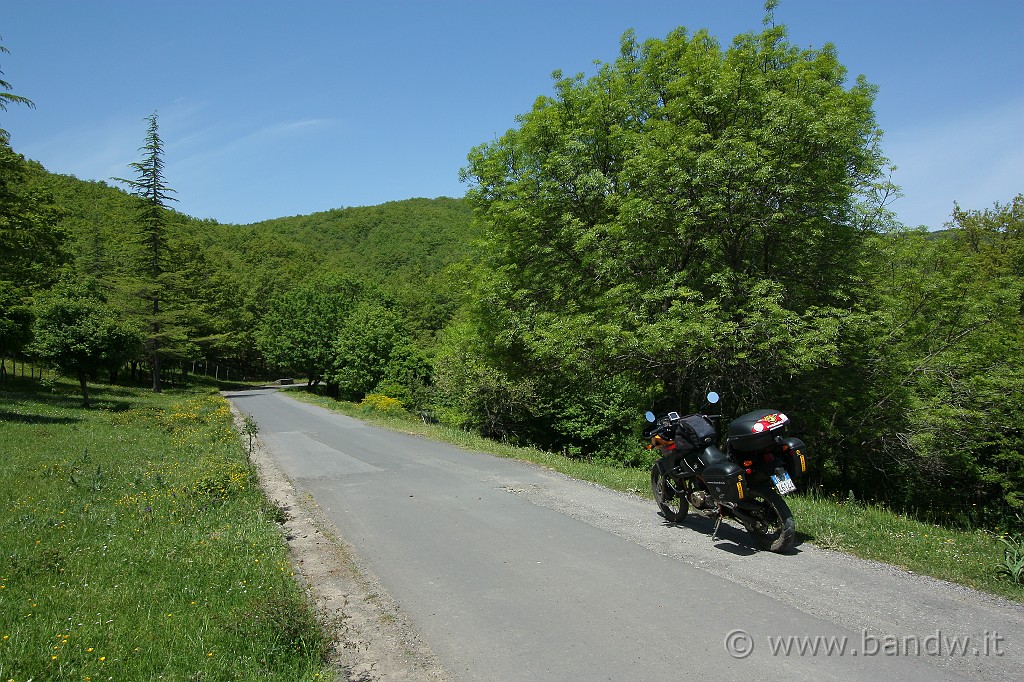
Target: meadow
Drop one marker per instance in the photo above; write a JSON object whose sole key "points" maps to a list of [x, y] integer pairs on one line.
{"points": [[137, 544]]}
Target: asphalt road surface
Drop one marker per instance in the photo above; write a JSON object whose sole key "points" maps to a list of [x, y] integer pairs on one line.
{"points": [[509, 571]]}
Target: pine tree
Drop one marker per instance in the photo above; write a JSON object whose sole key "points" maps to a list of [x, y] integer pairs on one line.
{"points": [[150, 186], [9, 97]]}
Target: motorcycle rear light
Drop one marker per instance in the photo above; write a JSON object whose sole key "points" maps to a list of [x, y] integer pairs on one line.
{"points": [[750, 471]]}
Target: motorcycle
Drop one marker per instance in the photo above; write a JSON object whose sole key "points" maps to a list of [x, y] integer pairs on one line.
{"points": [[746, 483]]}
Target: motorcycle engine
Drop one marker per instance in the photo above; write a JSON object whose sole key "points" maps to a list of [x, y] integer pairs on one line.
{"points": [[699, 499]]}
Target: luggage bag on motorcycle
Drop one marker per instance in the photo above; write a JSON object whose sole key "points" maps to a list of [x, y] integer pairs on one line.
{"points": [[793, 455], [725, 480], [756, 430], [694, 433]]}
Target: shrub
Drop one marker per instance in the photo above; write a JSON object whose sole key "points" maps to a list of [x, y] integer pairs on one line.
{"points": [[375, 402], [1012, 566]]}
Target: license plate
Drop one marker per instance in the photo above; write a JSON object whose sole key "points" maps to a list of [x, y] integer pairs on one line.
{"points": [[784, 484]]}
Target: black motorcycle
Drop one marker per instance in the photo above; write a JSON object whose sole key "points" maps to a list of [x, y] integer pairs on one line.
{"points": [[747, 482]]}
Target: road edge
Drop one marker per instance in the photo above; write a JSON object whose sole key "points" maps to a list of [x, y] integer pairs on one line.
{"points": [[373, 639]]}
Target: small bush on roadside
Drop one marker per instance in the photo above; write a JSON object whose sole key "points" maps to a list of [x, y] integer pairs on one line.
{"points": [[383, 404], [1012, 566]]}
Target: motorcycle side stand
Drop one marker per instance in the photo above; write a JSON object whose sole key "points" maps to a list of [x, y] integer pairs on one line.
{"points": [[718, 522]]}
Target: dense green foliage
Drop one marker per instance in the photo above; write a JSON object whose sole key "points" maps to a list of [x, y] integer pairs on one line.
{"points": [[31, 249], [692, 216], [686, 218], [408, 249], [222, 282], [80, 335]]}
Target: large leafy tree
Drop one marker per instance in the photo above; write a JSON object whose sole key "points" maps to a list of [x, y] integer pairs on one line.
{"points": [[372, 336], [691, 214], [79, 334], [151, 187], [298, 331]]}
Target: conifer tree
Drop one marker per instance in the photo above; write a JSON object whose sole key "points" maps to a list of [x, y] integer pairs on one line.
{"points": [[9, 97], [150, 186]]}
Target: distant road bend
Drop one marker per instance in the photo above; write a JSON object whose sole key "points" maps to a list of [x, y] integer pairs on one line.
{"points": [[509, 571]]}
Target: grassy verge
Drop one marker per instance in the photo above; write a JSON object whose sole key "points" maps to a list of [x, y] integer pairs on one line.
{"points": [[869, 531], [137, 544], [967, 557]]}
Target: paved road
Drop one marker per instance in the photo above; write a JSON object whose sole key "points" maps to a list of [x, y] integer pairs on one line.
{"points": [[512, 572]]}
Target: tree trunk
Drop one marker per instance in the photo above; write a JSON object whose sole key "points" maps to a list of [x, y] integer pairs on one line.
{"points": [[156, 346], [85, 389]]}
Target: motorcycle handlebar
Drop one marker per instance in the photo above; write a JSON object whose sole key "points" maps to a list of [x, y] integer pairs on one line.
{"points": [[668, 421], [658, 430]]}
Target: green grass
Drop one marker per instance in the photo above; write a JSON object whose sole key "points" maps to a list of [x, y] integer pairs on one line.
{"points": [[967, 557], [137, 544]]}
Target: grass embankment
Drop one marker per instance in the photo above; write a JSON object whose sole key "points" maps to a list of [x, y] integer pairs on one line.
{"points": [[137, 544], [967, 557]]}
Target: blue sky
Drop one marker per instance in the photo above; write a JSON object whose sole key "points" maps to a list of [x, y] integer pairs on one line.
{"points": [[271, 109]]}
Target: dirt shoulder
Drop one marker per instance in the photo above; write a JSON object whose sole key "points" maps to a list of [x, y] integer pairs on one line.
{"points": [[373, 639]]}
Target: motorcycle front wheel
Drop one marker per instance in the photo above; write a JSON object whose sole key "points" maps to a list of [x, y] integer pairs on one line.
{"points": [[775, 529], [673, 505]]}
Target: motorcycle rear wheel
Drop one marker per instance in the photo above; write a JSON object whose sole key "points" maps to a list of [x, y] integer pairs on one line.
{"points": [[776, 528], [674, 506]]}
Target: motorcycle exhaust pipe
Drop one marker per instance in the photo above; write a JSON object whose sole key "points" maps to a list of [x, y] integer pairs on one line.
{"points": [[739, 516]]}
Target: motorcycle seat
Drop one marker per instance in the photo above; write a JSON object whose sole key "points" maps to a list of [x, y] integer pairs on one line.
{"points": [[711, 455]]}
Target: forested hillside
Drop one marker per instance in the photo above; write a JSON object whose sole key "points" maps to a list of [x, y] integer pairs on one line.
{"points": [[692, 217], [226, 278]]}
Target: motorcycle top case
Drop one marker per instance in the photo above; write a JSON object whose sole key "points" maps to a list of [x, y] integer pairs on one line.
{"points": [[757, 430], [694, 433], [725, 480]]}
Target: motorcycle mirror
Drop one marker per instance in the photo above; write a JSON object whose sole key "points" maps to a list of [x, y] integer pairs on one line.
{"points": [[713, 397], [650, 416]]}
